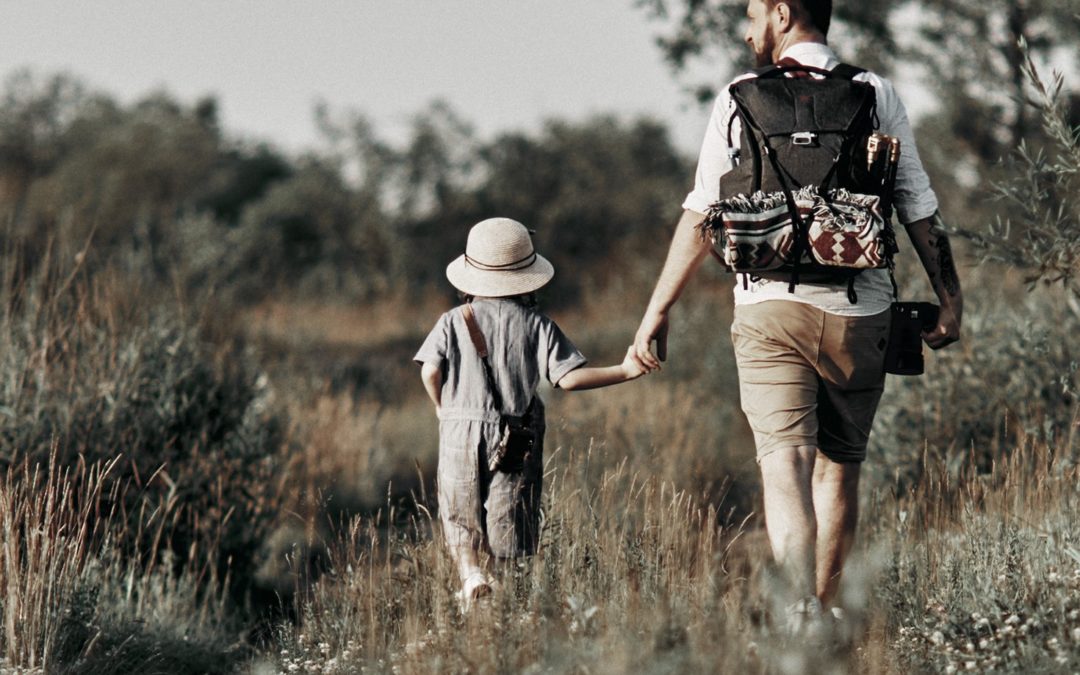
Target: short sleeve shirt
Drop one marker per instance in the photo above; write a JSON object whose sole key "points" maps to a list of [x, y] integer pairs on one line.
{"points": [[524, 346], [913, 197]]}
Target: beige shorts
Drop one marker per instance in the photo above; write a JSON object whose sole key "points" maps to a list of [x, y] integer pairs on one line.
{"points": [[809, 378]]}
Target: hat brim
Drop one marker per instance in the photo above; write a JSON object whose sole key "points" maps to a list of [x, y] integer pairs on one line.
{"points": [[499, 283]]}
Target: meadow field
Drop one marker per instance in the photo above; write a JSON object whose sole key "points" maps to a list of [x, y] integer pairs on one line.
{"points": [[297, 532], [216, 454]]}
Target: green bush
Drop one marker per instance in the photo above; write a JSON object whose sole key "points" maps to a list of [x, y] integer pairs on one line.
{"points": [[1011, 379], [90, 372]]}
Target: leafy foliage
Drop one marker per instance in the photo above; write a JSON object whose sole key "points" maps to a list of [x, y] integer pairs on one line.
{"points": [[1042, 238], [85, 377]]}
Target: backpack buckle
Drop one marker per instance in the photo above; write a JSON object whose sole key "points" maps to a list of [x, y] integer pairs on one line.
{"points": [[807, 138]]}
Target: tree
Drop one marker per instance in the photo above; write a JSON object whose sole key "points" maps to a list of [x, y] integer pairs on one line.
{"points": [[710, 31], [964, 53], [1041, 189]]}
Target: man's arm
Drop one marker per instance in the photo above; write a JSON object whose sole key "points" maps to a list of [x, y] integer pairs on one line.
{"points": [[684, 256], [932, 245]]}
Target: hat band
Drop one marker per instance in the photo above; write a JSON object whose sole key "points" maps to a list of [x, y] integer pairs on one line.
{"points": [[508, 267]]}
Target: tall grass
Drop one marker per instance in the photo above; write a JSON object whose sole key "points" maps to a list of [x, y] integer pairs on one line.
{"points": [[71, 602], [979, 571], [193, 493], [48, 540]]}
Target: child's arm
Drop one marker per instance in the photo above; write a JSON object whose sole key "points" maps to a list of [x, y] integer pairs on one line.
{"points": [[431, 374], [592, 378]]}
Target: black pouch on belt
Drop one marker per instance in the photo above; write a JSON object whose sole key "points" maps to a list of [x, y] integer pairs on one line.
{"points": [[903, 355], [518, 441]]}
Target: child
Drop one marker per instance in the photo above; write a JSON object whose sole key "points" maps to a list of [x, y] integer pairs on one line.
{"points": [[489, 492]]}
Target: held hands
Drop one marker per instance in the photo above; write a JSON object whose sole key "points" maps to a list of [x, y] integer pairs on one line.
{"points": [[654, 326], [630, 367]]}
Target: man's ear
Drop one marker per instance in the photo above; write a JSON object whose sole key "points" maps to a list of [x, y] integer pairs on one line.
{"points": [[783, 17]]}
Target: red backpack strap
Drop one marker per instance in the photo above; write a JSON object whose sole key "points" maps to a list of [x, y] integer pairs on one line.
{"points": [[847, 71]]}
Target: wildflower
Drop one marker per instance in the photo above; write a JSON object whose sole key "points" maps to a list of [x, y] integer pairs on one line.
{"points": [[984, 643], [1012, 620], [1076, 634], [970, 665], [937, 638], [950, 669]]}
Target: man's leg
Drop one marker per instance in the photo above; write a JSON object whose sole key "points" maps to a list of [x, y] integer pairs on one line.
{"points": [[836, 507], [786, 476]]}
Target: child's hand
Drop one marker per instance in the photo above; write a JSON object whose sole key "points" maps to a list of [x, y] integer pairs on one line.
{"points": [[631, 367]]}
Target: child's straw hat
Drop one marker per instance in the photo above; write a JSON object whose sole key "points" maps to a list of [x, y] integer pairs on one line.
{"points": [[499, 261]]}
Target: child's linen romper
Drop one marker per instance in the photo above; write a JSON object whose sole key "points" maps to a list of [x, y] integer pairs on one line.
{"points": [[480, 509]]}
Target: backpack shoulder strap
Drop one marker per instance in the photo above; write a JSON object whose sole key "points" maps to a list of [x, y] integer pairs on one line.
{"points": [[847, 71]]}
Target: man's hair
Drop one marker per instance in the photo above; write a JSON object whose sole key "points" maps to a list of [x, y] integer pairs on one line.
{"points": [[817, 13]]}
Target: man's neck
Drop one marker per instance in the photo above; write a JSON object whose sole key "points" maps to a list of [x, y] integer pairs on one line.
{"points": [[795, 37]]}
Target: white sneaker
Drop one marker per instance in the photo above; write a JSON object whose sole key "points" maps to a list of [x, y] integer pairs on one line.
{"points": [[805, 618], [476, 586]]}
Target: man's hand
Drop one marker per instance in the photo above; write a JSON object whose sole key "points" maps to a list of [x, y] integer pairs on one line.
{"points": [[947, 330], [654, 326]]}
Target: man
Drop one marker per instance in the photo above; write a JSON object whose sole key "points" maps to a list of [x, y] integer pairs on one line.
{"points": [[810, 361]]}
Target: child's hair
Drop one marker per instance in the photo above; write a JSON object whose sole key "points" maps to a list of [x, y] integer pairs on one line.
{"points": [[525, 299]]}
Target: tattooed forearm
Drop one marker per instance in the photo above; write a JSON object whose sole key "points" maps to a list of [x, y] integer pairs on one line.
{"points": [[949, 278], [939, 240]]}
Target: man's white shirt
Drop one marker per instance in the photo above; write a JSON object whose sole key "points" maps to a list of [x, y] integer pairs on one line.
{"points": [[913, 198]]}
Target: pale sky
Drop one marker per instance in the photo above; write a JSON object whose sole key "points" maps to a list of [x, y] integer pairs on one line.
{"points": [[502, 64]]}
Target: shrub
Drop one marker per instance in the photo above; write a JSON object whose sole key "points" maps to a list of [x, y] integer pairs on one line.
{"points": [[90, 373], [1012, 378]]}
